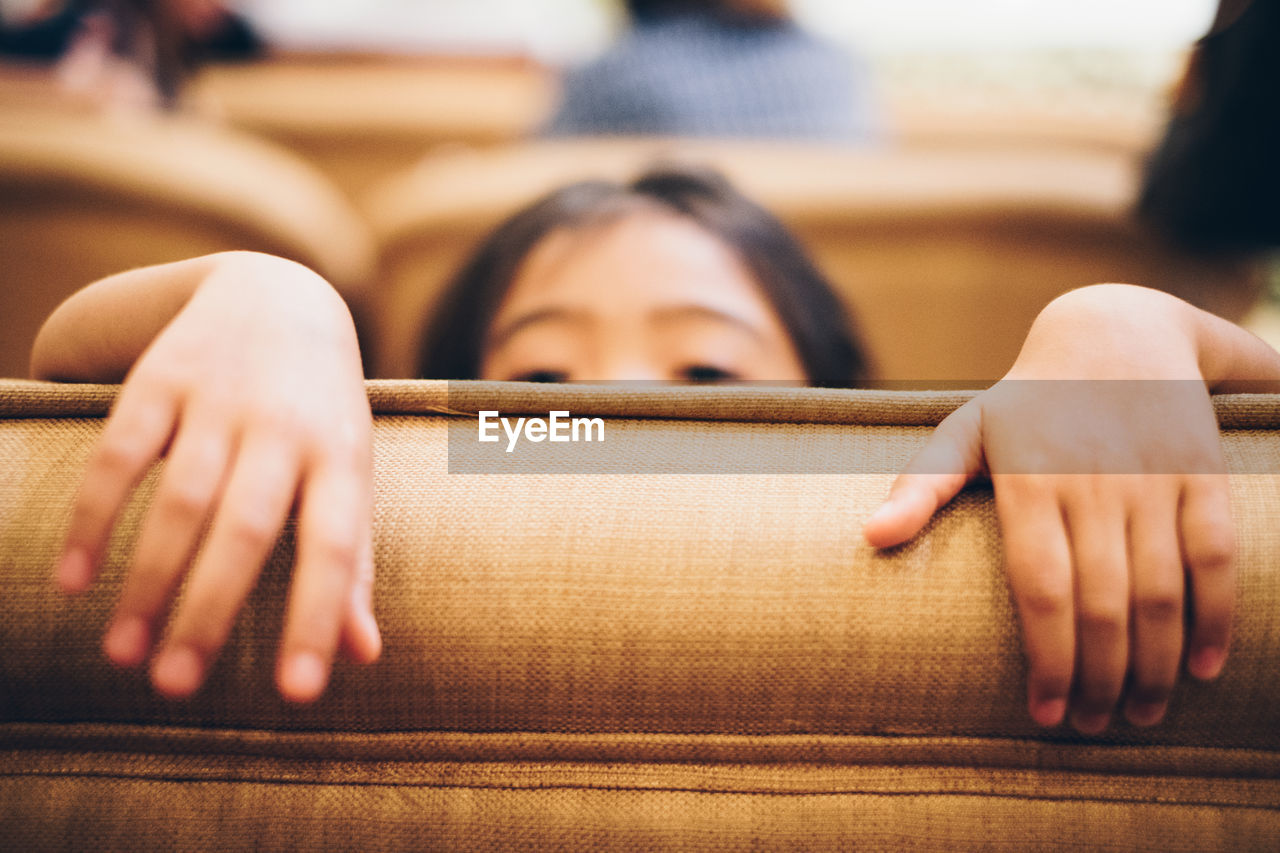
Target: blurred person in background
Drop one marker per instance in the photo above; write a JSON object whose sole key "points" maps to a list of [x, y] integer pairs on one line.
{"points": [[1213, 183], [729, 68], [127, 54]]}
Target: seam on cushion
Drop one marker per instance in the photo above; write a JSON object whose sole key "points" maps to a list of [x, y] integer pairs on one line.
{"points": [[20, 398], [1103, 784], [1229, 800], [654, 748], [659, 747]]}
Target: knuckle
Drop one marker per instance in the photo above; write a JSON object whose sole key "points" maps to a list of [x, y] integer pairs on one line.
{"points": [[335, 551], [90, 518], [185, 499], [345, 447], [1043, 603], [1104, 618], [118, 458], [1202, 455], [1213, 551], [1044, 596], [253, 529], [270, 418], [1021, 488], [1159, 604]]}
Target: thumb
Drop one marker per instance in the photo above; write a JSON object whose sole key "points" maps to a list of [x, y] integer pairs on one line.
{"points": [[950, 459]]}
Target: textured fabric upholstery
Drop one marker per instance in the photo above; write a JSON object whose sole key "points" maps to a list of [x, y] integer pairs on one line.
{"points": [[622, 661]]}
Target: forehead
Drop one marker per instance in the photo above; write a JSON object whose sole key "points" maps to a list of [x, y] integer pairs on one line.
{"points": [[643, 259]]}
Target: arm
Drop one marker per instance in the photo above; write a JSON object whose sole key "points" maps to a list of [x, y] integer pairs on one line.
{"points": [[243, 371], [1107, 491], [98, 333]]}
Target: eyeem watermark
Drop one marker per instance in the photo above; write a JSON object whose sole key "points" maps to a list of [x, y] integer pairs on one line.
{"points": [[1047, 427], [557, 426]]}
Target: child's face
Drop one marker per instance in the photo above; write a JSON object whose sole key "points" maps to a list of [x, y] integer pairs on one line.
{"points": [[648, 297]]}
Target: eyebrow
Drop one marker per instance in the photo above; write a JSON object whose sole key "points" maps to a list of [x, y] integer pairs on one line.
{"points": [[697, 311], [543, 315], [664, 314]]}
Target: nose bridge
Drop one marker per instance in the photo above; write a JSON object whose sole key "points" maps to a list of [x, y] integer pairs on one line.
{"points": [[627, 354], [631, 369]]}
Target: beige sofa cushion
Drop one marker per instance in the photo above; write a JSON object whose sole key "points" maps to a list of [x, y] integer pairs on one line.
{"points": [[620, 660]]}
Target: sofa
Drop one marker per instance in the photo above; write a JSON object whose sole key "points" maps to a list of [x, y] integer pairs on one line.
{"points": [[684, 646]]}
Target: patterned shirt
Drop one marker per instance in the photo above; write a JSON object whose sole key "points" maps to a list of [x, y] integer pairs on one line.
{"points": [[695, 75]]}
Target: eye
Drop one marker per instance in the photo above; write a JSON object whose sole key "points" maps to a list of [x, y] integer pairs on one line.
{"points": [[541, 376], [706, 374]]}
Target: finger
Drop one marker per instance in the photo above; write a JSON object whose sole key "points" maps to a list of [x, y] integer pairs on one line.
{"points": [[1038, 561], [950, 459], [361, 639], [329, 550], [135, 435], [254, 507], [193, 474], [1208, 550], [1156, 635], [1099, 545]]}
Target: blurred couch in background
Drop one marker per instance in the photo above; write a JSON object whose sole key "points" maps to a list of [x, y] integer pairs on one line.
{"points": [[945, 255], [82, 197]]}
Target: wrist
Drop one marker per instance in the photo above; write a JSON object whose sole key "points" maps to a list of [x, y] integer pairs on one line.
{"points": [[1113, 331], [290, 297]]}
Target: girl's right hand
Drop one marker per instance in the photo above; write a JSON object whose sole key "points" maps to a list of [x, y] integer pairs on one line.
{"points": [[254, 396]]}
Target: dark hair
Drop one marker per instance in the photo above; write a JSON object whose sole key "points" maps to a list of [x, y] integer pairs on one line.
{"points": [[815, 319], [733, 11]]}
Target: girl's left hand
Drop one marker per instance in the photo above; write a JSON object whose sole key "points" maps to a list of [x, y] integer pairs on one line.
{"points": [[1112, 498]]}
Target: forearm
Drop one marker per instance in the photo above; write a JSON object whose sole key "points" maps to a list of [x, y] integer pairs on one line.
{"points": [[98, 333]]}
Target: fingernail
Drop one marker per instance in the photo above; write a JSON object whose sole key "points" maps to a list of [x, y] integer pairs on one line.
{"points": [[1049, 712], [1089, 724], [178, 671], [1144, 713], [303, 677], [73, 571], [1207, 663], [127, 641]]}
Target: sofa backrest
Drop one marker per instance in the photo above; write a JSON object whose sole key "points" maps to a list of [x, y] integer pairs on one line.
{"points": [[711, 622]]}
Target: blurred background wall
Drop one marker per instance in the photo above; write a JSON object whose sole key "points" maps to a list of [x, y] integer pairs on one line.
{"points": [[1015, 137]]}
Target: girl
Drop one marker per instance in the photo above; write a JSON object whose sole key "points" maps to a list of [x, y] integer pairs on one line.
{"points": [[244, 370]]}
